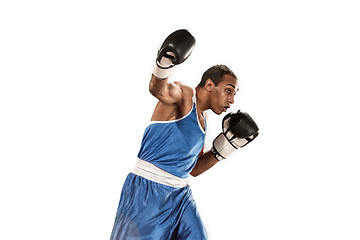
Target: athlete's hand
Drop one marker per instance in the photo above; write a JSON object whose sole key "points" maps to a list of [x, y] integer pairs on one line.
{"points": [[239, 129], [176, 48]]}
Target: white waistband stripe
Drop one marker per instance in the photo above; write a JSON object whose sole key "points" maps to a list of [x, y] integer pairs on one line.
{"points": [[155, 174]]}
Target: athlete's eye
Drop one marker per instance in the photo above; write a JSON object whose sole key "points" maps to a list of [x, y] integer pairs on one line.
{"points": [[230, 91]]}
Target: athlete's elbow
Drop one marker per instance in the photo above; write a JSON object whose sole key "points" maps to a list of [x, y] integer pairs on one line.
{"points": [[157, 90], [194, 173]]}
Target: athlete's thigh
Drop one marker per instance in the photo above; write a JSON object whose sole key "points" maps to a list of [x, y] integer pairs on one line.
{"points": [[190, 226]]}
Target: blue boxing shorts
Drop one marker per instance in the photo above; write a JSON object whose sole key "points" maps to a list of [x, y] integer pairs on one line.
{"points": [[155, 210]]}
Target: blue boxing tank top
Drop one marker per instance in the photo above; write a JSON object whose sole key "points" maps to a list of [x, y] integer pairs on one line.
{"points": [[175, 145]]}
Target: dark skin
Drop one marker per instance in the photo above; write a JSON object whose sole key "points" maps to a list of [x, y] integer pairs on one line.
{"points": [[175, 101]]}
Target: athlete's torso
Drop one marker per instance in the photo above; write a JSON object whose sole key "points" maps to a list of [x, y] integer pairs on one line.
{"points": [[174, 145]]}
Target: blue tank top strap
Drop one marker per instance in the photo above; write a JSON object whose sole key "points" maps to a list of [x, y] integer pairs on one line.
{"points": [[194, 95], [197, 117]]}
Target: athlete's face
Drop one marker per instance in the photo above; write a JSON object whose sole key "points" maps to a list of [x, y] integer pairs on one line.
{"points": [[223, 94]]}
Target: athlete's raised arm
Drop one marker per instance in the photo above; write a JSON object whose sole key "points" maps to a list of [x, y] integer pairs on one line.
{"points": [[175, 49]]}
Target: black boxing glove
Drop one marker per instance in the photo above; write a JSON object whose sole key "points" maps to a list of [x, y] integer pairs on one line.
{"points": [[176, 48], [239, 129]]}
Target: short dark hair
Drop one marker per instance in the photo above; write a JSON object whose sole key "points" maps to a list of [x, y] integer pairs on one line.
{"points": [[216, 74]]}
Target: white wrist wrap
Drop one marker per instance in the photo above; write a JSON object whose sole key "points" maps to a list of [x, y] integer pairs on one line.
{"points": [[162, 72], [165, 67], [225, 145], [222, 147]]}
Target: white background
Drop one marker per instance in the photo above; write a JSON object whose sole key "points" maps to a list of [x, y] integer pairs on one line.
{"points": [[74, 103]]}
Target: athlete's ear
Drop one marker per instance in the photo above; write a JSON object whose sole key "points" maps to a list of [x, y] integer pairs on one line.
{"points": [[209, 84]]}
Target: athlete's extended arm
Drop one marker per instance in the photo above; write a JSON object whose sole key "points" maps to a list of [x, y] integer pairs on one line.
{"points": [[205, 162], [239, 129], [175, 49]]}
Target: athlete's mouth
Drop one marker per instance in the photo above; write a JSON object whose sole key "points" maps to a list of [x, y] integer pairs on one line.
{"points": [[226, 107]]}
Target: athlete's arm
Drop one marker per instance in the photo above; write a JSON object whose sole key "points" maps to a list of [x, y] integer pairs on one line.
{"points": [[239, 129], [176, 48], [205, 162], [166, 92]]}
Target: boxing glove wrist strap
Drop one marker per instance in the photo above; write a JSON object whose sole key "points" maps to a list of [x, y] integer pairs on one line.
{"points": [[222, 147], [217, 155], [161, 72], [164, 66]]}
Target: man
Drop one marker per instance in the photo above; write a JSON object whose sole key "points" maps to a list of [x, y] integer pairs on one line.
{"points": [[156, 203]]}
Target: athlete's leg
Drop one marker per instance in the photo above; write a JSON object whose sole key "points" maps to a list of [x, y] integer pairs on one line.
{"points": [[147, 210], [190, 226]]}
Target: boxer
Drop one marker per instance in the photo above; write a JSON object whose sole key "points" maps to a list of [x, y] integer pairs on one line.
{"points": [[156, 202]]}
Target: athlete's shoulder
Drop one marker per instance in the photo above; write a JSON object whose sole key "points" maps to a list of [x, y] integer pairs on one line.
{"points": [[186, 90]]}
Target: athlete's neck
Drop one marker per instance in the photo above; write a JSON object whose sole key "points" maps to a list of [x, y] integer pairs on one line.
{"points": [[201, 100]]}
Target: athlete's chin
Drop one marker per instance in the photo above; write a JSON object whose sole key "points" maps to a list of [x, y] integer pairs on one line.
{"points": [[218, 112]]}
